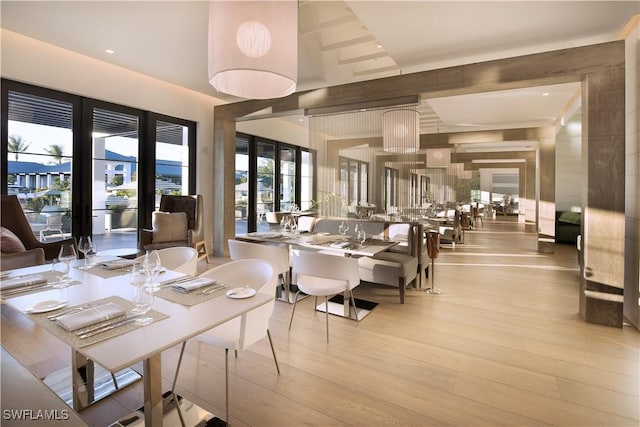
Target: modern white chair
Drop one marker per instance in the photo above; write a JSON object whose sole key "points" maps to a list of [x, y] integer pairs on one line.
{"points": [[324, 275], [183, 259], [277, 255], [238, 334], [53, 224]]}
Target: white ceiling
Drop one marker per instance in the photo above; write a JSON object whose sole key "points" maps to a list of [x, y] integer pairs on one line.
{"points": [[346, 41]]}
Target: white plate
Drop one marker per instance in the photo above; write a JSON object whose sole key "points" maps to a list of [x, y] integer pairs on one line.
{"points": [[45, 306], [239, 293]]}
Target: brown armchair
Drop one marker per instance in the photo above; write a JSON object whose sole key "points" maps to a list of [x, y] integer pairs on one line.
{"points": [[178, 222], [14, 219]]}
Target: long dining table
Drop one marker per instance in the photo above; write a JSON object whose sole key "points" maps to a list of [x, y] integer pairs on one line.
{"points": [[176, 323]]}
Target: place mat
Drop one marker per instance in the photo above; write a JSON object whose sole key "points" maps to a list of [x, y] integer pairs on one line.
{"points": [[72, 338], [27, 290], [97, 270], [189, 298]]}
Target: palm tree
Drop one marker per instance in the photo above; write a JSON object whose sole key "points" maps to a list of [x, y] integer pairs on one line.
{"points": [[17, 145], [56, 151]]}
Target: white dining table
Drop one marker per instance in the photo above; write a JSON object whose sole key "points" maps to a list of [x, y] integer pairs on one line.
{"points": [[144, 344]]}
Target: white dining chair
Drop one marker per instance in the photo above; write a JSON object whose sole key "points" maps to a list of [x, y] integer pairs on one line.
{"points": [[277, 255], [238, 334], [183, 259], [324, 275]]}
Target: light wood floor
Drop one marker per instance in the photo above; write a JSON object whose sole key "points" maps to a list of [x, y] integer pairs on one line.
{"points": [[502, 345]]}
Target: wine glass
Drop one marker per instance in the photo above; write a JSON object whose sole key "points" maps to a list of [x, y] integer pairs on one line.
{"points": [[152, 265], [67, 254], [60, 270], [285, 223], [142, 294], [360, 235], [88, 249], [343, 228]]}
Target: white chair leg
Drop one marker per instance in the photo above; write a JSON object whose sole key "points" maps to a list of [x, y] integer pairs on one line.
{"points": [[326, 315], [353, 301], [295, 301], [273, 351]]}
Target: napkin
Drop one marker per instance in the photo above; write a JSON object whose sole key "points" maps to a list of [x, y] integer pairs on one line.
{"points": [[340, 245], [117, 265], [90, 316], [19, 282], [167, 282], [192, 285]]}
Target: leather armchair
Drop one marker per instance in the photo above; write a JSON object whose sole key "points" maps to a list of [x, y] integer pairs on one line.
{"points": [[14, 219], [192, 207], [28, 258]]}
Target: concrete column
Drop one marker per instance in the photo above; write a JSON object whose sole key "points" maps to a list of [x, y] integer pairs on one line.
{"points": [[603, 234], [547, 192]]}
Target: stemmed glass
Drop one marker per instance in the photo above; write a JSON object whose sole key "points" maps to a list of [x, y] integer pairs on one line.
{"points": [[89, 250], [142, 294], [361, 236], [285, 223], [343, 228], [61, 272], [152, 265], [67, 254]]}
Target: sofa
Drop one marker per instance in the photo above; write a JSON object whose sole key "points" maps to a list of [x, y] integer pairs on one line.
{"points": [[567, 226]]}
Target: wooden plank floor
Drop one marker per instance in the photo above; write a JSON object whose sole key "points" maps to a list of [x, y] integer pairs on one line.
{"points": [[502, 345]]}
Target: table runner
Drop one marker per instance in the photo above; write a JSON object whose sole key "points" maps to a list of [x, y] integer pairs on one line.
{"points": [[72, 338]]}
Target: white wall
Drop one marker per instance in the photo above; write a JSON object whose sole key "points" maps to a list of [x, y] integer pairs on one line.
{"points": [[30, 61], [569, 165], [278, 129]]}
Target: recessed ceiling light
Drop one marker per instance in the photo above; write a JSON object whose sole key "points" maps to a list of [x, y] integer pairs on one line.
{"points": [[379, 46], [545, 94], [109, 51]]}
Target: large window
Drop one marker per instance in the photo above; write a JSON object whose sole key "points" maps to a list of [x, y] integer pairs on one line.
{"points": [[270, 177], [89, 161], [287, 177]]}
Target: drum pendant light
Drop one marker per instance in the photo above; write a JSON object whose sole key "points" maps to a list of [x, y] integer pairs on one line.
{"points": [[401, 131], [253, 48]]}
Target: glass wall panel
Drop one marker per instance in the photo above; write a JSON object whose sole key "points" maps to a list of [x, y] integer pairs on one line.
{"points": [[172, 159], [242, 184], [40, 154], [265, 179], [287, 178], [115, 160], [306, 180]]}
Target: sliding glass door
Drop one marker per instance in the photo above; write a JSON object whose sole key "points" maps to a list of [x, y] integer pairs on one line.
{"points": [[39, 132], [91, 162], [270, 177], [115, 142]]}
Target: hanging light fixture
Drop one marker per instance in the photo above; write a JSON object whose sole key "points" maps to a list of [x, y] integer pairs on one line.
{"points": [[253, 48], [401, 131]]}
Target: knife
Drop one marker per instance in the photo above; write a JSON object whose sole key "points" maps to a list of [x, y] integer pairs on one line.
{"points": [[102, 329]]}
